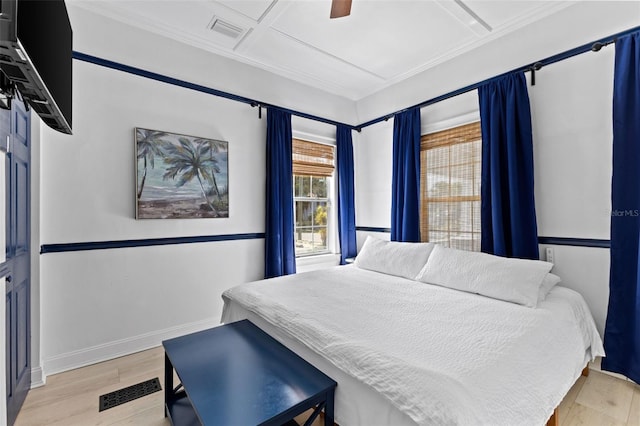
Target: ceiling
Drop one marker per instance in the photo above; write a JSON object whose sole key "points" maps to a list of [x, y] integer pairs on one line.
{"points": [[381, 43]]}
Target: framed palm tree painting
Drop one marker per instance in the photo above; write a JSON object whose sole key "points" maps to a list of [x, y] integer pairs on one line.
{"points": [[180, 176]]}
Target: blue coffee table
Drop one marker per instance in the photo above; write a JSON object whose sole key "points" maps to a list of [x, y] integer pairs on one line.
{"points": [[236, 374]]}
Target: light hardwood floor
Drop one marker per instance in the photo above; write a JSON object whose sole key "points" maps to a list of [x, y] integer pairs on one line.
{"points": [[71, 398]]}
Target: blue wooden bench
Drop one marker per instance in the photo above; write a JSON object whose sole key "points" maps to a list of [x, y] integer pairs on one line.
{"points": [[238, 375]]}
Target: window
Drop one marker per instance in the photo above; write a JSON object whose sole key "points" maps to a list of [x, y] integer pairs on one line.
{"points": [[312, 174], [450, 184]]}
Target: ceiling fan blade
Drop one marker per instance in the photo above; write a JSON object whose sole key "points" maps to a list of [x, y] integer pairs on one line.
{"points": [[340, 8]]}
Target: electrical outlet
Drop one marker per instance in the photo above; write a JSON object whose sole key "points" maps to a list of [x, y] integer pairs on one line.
{"points": [[549, 253]]}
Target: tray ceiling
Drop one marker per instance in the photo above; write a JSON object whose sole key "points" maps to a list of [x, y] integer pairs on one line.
{"points": [[381, 43]]}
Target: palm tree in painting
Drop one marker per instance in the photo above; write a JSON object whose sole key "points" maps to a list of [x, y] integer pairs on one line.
{"points": [[214, 148], [150, 144], [187, 161]]}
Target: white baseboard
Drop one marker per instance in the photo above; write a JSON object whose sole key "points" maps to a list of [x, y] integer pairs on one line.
{"points": [[37, 378], [118, 348]]}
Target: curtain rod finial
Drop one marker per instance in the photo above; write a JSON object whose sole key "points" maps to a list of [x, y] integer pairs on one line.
{"points": [[595, 47]]}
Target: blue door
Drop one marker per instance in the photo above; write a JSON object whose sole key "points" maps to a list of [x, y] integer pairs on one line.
{"points": [[18, 286]]}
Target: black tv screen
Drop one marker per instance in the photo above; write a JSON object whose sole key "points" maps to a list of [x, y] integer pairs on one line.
{"points": [[36, 47]]}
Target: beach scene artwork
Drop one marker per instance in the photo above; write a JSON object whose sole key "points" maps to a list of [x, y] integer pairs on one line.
{"points": [[180, 176]]}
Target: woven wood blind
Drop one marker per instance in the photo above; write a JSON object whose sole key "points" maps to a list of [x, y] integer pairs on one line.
{"points": [[312, 159], [450, 184], [461, 134]]}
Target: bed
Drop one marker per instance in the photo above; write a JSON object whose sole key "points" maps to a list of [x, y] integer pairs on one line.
{"points": [[406, 351]]}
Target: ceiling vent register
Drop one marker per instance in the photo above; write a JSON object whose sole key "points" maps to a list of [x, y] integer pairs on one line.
{"points": [[225, 28]]}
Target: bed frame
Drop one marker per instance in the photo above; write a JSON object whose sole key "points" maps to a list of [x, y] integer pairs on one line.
{"points": [[554, 419]]}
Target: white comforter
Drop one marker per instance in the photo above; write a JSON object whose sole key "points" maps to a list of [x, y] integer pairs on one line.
{"points": [[441, 356]]}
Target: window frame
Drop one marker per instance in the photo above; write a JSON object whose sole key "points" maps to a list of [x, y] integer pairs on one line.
{"points": [[331, 197], [313, 226]]}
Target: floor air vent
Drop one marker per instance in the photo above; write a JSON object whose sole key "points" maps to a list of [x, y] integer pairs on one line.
{"points": [[113, 399]]}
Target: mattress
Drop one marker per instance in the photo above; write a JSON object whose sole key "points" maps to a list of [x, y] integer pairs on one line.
{"points": [[405, 352]]}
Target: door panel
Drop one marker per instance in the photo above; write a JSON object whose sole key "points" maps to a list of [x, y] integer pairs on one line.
{"points": [[22, 206], [9, 340], [22, 370], [18, 262], [21, 130], [18, 345], [20, 164], [10, 203]]}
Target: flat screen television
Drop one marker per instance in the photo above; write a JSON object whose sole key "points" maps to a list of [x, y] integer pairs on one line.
{"points": [[36, 46]]}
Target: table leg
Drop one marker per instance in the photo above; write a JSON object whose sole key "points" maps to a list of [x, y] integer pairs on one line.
{"points": [[168, 383], [328, 408]]}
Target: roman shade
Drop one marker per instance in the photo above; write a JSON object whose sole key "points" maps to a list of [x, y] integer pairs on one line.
{"points": [[312, 158]]}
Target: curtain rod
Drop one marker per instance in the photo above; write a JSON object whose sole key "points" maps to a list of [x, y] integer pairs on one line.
{"points": [[176, 82], [593, 46]]}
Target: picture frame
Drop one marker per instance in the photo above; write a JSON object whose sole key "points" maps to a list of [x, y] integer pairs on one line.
{"points": [[180, 176]]}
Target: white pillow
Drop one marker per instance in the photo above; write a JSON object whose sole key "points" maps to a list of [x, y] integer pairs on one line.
{"points": [[393, 258], [511, 280], [550, 280]]}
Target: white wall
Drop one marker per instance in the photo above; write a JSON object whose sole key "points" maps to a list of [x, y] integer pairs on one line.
{"points": [[372, 154], [94, 301], [571, 107], [95, 305], [3, 283], [37, 378], [3, 359], [571, 116]]}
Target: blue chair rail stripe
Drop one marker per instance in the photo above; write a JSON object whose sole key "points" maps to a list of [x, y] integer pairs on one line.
{"points": [[575, 242], [555, 241], [102, 245], [372, 229]]}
